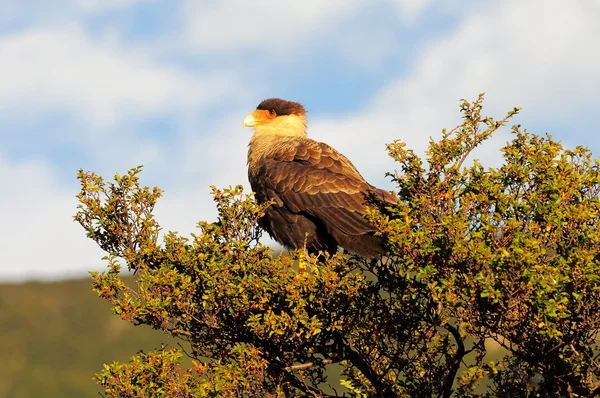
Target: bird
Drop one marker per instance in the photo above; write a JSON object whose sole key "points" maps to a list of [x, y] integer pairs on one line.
{"points": [[319, 197]]}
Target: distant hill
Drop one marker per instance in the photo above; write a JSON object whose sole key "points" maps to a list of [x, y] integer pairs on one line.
{"points": [[55, 336]]}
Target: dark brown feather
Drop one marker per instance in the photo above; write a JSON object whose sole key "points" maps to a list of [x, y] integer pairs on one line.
{"points": [[281, 107], [321, 198]]}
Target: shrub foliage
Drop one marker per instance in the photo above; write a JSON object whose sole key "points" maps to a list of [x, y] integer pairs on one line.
{"points": [[492, 286]]}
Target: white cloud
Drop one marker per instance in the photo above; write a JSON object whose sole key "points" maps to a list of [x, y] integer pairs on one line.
{"points": [[39, 238], [410, 10], [52, 11], [282, 27], [536, 52], [63, 70], [268, 25], [38, 235], [90, 6]]}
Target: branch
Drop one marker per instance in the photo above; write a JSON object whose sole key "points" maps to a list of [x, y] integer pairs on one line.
{"points": [[365, 368], [179, 332], [309, 364], [455, 364]]}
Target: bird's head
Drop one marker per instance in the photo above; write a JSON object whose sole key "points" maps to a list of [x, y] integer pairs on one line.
{"points": [[276, 116]]}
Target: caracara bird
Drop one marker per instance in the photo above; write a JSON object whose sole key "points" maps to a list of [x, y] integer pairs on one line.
{"points": [[320, 197]]}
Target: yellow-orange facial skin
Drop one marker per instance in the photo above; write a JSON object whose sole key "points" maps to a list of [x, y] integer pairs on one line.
{"points": [[267, 124], [259, 117]]}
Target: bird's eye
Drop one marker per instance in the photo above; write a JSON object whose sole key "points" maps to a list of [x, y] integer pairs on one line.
{"points": [[272, 112]]}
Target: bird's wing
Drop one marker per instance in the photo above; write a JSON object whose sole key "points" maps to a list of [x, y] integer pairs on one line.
{"points": [[314, 179]]}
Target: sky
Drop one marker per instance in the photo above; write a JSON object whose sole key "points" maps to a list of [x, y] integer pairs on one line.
{"points": [[106, 85]]}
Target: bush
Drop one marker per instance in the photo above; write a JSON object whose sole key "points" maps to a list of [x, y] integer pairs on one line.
{"points": [[492, 286]]}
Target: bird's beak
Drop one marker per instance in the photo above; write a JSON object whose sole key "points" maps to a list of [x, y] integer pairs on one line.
{"points": [[258, 117], [250, 120]]}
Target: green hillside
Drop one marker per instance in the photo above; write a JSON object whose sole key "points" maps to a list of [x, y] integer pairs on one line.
{"points": [[55, 336]]}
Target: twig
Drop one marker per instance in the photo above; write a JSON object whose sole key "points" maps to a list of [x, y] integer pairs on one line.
{"points": [[309, 364], [181, 332]]}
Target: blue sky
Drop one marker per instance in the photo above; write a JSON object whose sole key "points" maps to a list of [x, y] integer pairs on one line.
{"points": [[106, 85]]}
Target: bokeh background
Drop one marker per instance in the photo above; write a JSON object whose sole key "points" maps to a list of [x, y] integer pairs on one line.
{"points": [[106, 85]]}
